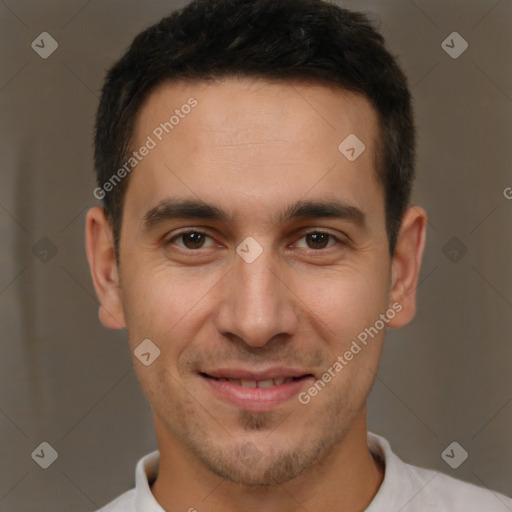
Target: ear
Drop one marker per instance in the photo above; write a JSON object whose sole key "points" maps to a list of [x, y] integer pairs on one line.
{"points": [[99, 244], [406, 264]]}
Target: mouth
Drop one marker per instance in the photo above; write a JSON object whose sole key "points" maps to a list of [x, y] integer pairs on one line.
{"points": [[254, 383], [256, 391]]}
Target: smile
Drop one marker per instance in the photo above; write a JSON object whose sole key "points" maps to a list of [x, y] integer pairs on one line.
{"points": [[268, 383], [253, 394]]}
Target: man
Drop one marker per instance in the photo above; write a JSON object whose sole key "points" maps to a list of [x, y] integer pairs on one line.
{"points": [[255, 161]]}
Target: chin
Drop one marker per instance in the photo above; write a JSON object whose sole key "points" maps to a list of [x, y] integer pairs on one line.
{"points": [[254, 464]]}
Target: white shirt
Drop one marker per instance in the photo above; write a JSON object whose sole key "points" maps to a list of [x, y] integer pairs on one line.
{"points": [[405, 488]]}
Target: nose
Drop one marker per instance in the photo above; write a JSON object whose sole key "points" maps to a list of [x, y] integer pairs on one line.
{"points": [[257, 304]]}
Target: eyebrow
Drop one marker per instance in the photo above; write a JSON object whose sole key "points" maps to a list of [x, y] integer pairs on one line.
{"points": [[176, 208]]}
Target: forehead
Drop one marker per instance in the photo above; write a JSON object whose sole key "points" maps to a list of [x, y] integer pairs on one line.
{"points": [[262, 107], [255, 141]]}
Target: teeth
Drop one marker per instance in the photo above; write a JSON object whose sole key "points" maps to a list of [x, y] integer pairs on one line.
{"points": [[248, 383], [268, 383]]}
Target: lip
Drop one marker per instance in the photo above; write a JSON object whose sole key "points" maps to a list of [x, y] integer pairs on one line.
{"points": [[256, 399]]}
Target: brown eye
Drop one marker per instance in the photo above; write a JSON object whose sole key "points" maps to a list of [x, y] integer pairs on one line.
{"points": [[193, 240], [190, 240], [317, 240]]}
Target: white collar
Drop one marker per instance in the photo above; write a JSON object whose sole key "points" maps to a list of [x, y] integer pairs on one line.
{"points": [[402, 482], [145, 473]]}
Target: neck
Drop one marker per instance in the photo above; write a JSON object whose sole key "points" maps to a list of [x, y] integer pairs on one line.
{"points": [[346, 480]]}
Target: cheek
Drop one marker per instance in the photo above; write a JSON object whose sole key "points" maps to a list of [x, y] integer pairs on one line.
{"points": [[345, 301], [165, 305]]}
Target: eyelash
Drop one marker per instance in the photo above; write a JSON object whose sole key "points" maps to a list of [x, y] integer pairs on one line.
{"points": [[197, 232]]}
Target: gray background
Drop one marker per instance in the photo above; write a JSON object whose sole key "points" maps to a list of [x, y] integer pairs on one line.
{"points": [[66, 380]]}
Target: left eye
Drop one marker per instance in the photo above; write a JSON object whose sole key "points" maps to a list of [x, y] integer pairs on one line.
{"points": [[318, 240]]}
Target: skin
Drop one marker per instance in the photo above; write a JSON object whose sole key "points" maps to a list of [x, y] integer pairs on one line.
{"points": [[253, 147]]}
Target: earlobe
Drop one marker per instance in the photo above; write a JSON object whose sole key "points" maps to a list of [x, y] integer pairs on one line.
{"points": [[406, 264], [102, 264]]}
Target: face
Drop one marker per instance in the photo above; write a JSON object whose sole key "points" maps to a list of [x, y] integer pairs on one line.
{"points": [[253, 253]]}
